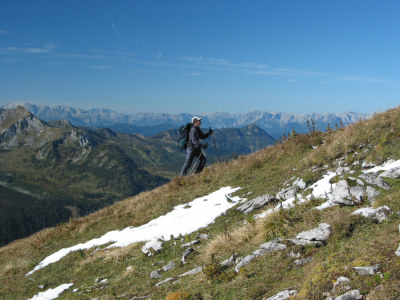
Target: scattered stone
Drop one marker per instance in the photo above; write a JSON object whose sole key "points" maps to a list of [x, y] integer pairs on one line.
{"points": [[341, 285], [203, 236], [185, 254], [316, 236], [192, 272], [374, 179], [300, 183], [366, 165], [367, 270], [398, 251], [129, 268], [195, 242], [41, 287], [379, 214], [171, 265], [341, 193], [152, 247], [256, 203], [97, 280], [372, 193], [164, 281], [392, 173], [229, 262], [264, 248], [351, 295], [358, 193], [342, 170], [286, 294], [287, 193], [104, 281], [303, 261], [155, 275], [295, 255]]}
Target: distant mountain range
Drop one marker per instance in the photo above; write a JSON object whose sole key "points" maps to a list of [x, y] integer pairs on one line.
{"points": [[50, 171], [275, 124]]}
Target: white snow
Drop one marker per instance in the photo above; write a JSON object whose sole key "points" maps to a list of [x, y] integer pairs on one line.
{"points": [[386, 166], [182, 220], [52, 293]]}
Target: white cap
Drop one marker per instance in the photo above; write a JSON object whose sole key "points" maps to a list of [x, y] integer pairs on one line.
{"points": [[194, 119]]}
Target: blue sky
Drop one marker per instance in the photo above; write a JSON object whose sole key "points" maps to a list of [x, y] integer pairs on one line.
{"points": [[202, 56]]}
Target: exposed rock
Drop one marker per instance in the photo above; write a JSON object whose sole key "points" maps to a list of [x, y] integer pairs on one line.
{"points": [[192, 272], [152, 247], [164, 281], [392, 173], [366, 165], [372, 193], [367, 270], [358, 193], [342, 170], [195, 242], [264, 248], [97, 280], [316, 236], [286, 294], [203, 236], [256, 203], [341, 193], [398, 251], [287, 193], [155, 275], [374, 179], [185, 254], [379, 214], [341, 285], [303, 261], [292, 254], [129, 268], [351, 295], [41, 287], [171, 265], [229, 262], [300, 183]]}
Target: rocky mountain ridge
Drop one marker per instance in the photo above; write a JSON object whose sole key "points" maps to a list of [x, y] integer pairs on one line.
{"points": [[275, 124]]}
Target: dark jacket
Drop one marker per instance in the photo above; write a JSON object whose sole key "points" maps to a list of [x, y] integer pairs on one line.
{"points": [[195, 135]]}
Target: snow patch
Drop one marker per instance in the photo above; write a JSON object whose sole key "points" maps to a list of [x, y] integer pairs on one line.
{"points": [[52, 293], [180, 221]]}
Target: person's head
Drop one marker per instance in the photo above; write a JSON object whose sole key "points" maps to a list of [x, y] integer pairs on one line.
{"points": [[196, 121]]}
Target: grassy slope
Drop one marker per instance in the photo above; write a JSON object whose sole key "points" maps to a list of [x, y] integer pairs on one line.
{"points": [[354, 242]]}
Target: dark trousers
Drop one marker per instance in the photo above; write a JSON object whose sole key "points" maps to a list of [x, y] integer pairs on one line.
{"points": [[190, 155]]}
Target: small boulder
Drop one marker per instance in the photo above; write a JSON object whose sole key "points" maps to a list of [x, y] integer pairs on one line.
{"points": [[367, 270], [379, 214], [286, 294], [303, 261], [342, 285], [192, 272], [195, 242], [398, 251], [374, 179], [171, 265], [351, 295], [155, 275], [151, 247], [372, 193], [316, 236], [185, 254], [342, 170], [256, 203], [392, 173], [341, 194], [287, 193]]}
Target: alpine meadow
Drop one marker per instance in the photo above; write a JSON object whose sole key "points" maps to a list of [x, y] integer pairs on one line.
{"points": [[315, 216]]}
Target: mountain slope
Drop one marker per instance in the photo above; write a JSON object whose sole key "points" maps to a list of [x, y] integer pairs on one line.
{"points": [[300, 162], [276, 124]]}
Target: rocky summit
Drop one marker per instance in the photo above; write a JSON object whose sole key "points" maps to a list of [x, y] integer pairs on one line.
{"points": [[315, 216]]}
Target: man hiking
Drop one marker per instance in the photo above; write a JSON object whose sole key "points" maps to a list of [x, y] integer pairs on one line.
{"points": [[194, 148]]}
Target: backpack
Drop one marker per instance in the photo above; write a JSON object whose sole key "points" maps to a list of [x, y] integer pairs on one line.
{"points": [[184, 136]]}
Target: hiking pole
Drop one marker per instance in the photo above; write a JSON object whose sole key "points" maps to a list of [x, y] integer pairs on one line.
{"points": [[197, 161], [216, 150]]}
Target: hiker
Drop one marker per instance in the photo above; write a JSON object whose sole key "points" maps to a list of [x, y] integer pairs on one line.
{"points": [[194, 147]]}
